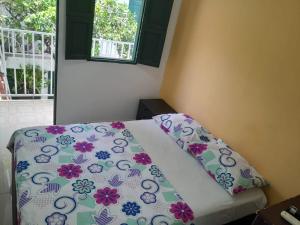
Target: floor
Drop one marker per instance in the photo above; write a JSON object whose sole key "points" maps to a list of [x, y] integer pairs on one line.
{"points": [[15, 115], [18, 114], [5, 186]]}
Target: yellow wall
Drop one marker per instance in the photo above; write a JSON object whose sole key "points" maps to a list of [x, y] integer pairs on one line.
{"points": [[235, 67]]}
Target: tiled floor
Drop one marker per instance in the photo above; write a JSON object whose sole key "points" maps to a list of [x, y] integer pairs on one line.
{"points": [[15, 115], [5, 185], [23, 113]]}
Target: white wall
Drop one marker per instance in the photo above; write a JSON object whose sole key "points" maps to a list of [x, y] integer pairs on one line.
{"points": [[101, 91]]}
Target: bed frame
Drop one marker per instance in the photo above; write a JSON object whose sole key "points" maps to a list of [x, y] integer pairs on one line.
{"points": [[13, 190]]}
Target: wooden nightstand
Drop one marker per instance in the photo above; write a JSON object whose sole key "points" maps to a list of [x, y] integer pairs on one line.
{"points": [[152, 107], [271, 215]]}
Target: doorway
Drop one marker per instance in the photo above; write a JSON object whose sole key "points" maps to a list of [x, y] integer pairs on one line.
{"points": [[27, 65]]}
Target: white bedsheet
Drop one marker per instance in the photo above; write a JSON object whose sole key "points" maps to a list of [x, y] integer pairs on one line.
{"points": [[211, 204]]}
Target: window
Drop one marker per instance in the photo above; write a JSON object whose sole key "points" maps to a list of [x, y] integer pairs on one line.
{"points": [[116, 29], [127, 31]]}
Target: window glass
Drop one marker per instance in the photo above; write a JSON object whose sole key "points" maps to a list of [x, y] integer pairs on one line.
{"points": [[116, 28]]}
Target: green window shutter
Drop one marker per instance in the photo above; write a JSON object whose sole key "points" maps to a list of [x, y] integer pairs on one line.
{"points": [[154, 29], [79, 28]]}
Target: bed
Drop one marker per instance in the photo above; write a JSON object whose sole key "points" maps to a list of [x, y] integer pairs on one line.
{"points": [[145, 175]]}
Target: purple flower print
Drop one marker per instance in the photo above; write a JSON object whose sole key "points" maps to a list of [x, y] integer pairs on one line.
{"points": [[166, 130], [84, 146], [106, 196], [117, 125], [239, 189], [55, 129], [197, 149], [69, 171], [182, 211], [142, 158]]}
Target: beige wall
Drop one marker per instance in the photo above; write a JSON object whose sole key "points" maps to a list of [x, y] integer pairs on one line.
{"points": [[235, 66]]}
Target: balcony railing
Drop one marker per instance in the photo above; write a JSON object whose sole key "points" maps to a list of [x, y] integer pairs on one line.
{"points": [[27, 61], [112, 49]]}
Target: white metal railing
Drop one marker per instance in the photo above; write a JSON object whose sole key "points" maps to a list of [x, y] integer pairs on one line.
{"points": [[27, 60], [112, 49], [29, 57]]}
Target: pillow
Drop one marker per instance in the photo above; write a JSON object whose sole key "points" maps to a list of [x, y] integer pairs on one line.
{"points": [[227, 167], [183, 129]]}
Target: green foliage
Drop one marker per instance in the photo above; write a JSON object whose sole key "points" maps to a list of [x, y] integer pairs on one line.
{"points": [[114, 21], [43, 20], [29, 80], [36, 15]]}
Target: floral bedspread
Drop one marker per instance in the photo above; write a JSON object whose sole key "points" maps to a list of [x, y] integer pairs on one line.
{"points": [[86, 174]]}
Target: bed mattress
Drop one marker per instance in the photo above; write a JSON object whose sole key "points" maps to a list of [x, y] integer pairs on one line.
{"points": [[51, 163], [211, 204]]}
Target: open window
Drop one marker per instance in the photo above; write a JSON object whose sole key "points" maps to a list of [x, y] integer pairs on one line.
{"points": [[116, 29], [125, 31]]}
